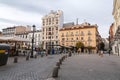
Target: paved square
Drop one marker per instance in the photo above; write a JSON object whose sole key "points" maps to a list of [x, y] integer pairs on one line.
{"points": [[90, 67]]}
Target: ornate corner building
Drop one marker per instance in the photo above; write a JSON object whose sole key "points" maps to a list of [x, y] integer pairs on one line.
{"points": [[115, 29], [86, 33], [51, 23]]}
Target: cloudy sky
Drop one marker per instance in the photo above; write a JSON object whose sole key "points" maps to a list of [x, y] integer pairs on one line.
{"points": [[29, 12]]}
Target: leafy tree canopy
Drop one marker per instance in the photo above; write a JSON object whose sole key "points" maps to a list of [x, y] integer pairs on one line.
{"points": [[79, 44]]}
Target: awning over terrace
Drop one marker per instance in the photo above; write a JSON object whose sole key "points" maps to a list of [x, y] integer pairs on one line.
{"points": [[14, 39]]}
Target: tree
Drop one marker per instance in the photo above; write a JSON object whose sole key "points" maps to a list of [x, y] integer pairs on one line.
{"points": [[79, 45], [89, 49]]}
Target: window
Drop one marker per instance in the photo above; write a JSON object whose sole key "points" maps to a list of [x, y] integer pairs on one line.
{"points": [[56, 22], [67, 38], [89, 38], [52, 28], [71, 38], [66, 33], [77, 33], [71, 33], [89, 33], [56, 36], [82, 34], [39, 35], [56, 28], [26, 36], [49, 29], [52, 43], [63, 39], [49, 37], [56, 42], [43, 29], [62, 34], [77, 38], [49, 33], [35, 35], [82, 38]]}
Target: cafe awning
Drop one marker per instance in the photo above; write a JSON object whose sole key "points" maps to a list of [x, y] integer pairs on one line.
{"points": [[14, 39]]}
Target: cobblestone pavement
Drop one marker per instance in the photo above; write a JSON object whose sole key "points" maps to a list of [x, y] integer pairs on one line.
{"points": [[90, 67], [34, 69]]}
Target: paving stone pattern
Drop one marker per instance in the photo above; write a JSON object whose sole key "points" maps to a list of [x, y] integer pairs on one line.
{"points": [[90, 67], [34, 69]]}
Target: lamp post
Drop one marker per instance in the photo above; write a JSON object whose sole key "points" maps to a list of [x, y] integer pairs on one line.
{"points": [[32, 41]]}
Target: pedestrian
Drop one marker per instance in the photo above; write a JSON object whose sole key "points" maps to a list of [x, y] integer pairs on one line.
{"points": [[101, 53], [109, 52], [46, 52]]}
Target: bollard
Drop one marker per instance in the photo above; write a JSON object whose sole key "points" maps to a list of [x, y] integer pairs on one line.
{"points": [[35, 56], [27, 58], [60, 61], [65, 56], [58, 65], [55, 72], [15, 60], [70, 54]]}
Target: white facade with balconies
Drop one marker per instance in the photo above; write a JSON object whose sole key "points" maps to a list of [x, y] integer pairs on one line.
{"points": [[116, 27], [51, 24]]}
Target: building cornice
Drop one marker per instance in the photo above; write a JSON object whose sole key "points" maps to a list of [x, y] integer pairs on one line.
{"points": [[77, 27]]}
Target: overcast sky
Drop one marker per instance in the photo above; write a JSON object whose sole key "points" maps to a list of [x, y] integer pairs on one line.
{"points": [[29, 12]]}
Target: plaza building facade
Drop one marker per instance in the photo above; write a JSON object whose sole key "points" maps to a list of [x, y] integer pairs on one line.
{"points": [[86, 33], [11, 31], [29, 35], [0, 33], [116, 27], [51, 23]]}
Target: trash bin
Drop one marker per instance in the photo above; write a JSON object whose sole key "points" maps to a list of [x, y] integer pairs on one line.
{"points": [[4, 52]]}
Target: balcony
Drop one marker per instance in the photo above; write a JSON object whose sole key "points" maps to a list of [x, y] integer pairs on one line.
{"points": [[67, 35], [81, 34], [71, 35], [77, 35], [89, 33], [89, 40], [62, 35]]}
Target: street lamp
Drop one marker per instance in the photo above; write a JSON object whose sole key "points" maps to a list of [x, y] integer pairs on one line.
{"points": [[32, 41]]}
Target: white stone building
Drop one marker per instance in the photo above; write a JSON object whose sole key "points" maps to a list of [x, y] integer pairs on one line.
{"points": [[29, 35], [51, 23], [116, 27], [37, 38]]}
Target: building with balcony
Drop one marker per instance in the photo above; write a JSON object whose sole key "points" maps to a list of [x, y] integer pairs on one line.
{"points": [[29, 35], [51, 23], [116, 27], [0, 33], [86, 33], [11, 31]]}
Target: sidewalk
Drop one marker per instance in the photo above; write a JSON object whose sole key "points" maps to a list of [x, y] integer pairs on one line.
{"points": [[90, 67], [34, 69]]}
